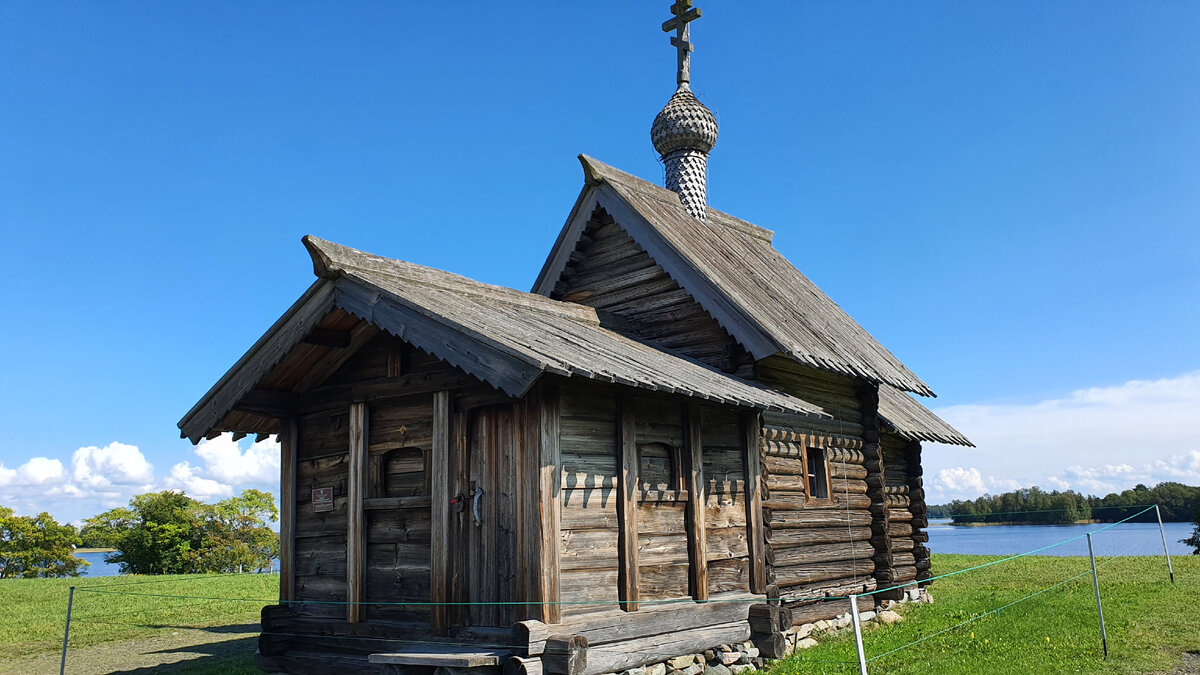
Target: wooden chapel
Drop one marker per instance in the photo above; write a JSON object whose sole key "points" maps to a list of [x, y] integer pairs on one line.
{"points": [[673, 435]]}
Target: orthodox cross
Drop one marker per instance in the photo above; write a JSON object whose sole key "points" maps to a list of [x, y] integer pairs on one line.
{"points": [[684, 14]]}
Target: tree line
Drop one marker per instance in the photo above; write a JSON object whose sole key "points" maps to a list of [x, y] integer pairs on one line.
{"points": [[1034, 506], [157, 533]]}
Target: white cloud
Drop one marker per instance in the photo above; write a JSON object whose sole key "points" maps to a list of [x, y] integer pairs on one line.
{"points": [[114, 464], [7, 476], [100, 478], [40, 471], [185, 477], [1096, 441], [959, 479], [225, 461]]}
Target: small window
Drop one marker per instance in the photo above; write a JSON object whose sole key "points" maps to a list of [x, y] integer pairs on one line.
{"points": [[818, 475], [656, 467]]}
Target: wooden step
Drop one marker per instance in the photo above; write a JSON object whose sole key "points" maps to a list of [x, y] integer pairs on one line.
{"points": [[446, 658]]}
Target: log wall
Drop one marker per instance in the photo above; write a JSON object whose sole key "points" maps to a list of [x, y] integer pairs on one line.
{"points": [[905, 501], [818, 546], [591, 527], [609, 271]]}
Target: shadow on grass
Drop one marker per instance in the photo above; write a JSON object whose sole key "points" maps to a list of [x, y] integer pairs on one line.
{"points": [[234, 628], [225, 657]]}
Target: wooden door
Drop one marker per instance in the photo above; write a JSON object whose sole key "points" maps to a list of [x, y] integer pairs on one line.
{"points": [[486, 542]]}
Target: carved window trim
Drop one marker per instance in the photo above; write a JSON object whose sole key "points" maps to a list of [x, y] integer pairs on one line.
{"points": [[673, 489]]}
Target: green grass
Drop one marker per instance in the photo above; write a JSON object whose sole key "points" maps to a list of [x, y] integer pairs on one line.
{"points": [[34, 610], [1150, 622]]}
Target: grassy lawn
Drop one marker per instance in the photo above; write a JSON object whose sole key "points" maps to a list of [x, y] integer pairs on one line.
{"points": [[1150, 622], [34, 609]]}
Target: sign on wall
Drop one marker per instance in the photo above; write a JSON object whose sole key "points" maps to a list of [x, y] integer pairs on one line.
{"points": [[322, 499]]}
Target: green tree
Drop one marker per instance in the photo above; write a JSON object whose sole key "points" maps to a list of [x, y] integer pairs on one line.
{"points": [[170, 533], [1194, 540], [38, 546]]}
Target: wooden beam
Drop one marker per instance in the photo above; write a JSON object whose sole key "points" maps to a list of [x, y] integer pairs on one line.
{"points": [[356, 487], [696, 525], [328, 364], [627, 539], [439, 549], [287, 404], [549, 502], [754, 511], [287, 510], [327, 337]]}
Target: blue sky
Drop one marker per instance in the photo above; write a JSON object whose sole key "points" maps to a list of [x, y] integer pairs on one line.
{"points": [[1005, 194]]}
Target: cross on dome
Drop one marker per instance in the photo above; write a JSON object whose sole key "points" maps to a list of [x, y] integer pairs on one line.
{"points": [[684, 14]]}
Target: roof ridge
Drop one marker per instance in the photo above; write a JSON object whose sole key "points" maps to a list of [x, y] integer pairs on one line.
{"points": [[596, 172], [332, 260]]}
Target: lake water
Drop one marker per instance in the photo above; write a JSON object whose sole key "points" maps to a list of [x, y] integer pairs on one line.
{"points": [[99, 568], [1123, 539]]}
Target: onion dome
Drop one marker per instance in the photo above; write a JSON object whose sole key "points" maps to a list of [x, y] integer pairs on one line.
{"points": [[684, 124]]}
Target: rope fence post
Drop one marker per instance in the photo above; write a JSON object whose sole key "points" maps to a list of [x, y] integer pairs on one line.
{"points": [[1163, 534], [1096, 586], [858, 643], [62, 665]]}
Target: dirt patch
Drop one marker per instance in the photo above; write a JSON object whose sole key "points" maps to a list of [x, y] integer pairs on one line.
{"points": [[1189, 666], [178, 650]]}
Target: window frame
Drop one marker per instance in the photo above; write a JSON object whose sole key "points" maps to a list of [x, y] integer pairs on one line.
{"points": [[825, 477]]}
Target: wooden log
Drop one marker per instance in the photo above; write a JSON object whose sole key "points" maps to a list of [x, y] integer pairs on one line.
{"points": [[614, 625], [751, 425], [769, 618], [811, 612], [549, 514], [439, 483], [808, 573], [817, 517], [696, 511], [822, 553], [287, 509], [566, 655], [523, 665], [356, 486], [615, 657], [831, 588], [785, 539], [771, 645], [628, 568]]}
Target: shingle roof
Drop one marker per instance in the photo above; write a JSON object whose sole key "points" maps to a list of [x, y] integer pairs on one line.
{"points": [[502, 336], [913, 421], [729, 263]]}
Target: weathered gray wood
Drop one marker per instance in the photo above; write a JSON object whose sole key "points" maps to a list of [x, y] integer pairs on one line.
{"points": [[523, 665], [565, 655], [439, 548], [696, 526], [751, 426], [336, 358], [627, 541], [287, 510], [619, 656], [446, 658], [550, 504], [389, 503], [356, 486]]}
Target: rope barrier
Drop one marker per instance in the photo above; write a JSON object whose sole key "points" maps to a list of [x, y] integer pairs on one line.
{"points": [[198, 600], [1009, 558]]}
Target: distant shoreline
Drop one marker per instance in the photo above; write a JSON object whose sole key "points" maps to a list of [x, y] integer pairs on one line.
{"points": [[95, 550]]}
